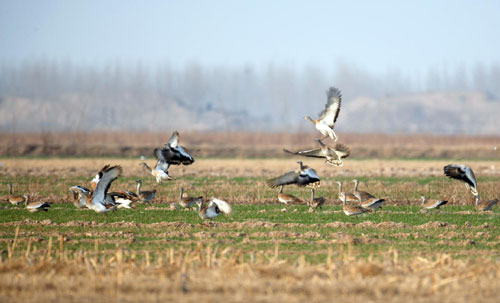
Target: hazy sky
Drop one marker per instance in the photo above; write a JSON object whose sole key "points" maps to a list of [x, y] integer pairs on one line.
{"points": [[375, 35]]}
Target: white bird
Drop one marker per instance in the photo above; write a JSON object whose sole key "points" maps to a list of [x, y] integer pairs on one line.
{"points": [[213, 208], [35, 206], [333, 155], [160, 172], [96, 201], [463, 173], [329, 115]]}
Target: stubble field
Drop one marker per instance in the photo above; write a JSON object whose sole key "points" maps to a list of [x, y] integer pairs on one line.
{"points": [[264, 251]]}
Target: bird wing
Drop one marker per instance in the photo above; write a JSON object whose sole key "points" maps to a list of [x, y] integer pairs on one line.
{"points": [[288, 178], [102, 187], [222, 205], [98, 176], [316, 153], [162, 165], [461, 172], [174, 140], [332, 109], [342, 150], [173, 155]]}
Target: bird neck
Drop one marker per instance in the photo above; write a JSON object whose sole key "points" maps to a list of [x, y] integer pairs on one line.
{"points": [[312, 194], [423, 200], [10, 188], [340, 187], [356, 183], [146, 166], [477, 200], [139, 185], [181, 193], [310, 119]]}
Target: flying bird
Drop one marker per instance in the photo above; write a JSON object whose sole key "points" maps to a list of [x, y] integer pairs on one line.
{"points": [[333, 155], [302, 177], [173, 153], [160, 172], [329, 115], [463, 173]]}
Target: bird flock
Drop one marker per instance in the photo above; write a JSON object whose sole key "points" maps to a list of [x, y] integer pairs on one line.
{"points": [[99, 199]]}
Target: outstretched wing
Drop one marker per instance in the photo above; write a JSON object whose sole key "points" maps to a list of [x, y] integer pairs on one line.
{"points": [[174, 140], [342, 150], [174, 156], [332, 109], [288, 178], [223, 206], [102, 187], [316, 153], [461, 172]]}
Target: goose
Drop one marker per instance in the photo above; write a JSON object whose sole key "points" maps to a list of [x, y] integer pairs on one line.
{"points": [[302, 177], [349, 197], [160, 172], [173, 153], [463, 173], [329, 115], [485, 205], [96, 201], [188, 202], [351, 210], [286, 198], [333, 155], [316, 202], [13, 199], [432, 204], [145, 196], [35, 206], [213, 208]]}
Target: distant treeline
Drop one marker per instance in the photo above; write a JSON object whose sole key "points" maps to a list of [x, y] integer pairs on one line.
{"points": [[70, 97]]}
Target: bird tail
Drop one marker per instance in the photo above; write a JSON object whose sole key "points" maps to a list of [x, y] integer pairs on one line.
{"points": [[222, 205]]}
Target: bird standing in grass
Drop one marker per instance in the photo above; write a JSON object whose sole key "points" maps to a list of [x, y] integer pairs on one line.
{"points": [[352, 210], [12, 198], [327, 118], [35, 206], [188, 202], [432, 204], [287, 198], [349, 197], [145, 196], [485, 205], [316, 202]]}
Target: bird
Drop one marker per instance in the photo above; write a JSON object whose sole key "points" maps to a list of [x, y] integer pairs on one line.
{"points": [[316, 202], [80, 195], [361, 195], [173, 153], [329, 115], [332, 155], [463, 173], [96, 201], [186, 201], [124, 199], [35, 206], [302, 177], [372, 203], [213, 208], [485, 205], [12, 198], [352, 210], [160, 172], [145, 196], [432, 204], [349, 197], [287, 198]]}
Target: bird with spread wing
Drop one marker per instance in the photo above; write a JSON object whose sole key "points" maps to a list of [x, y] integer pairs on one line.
{"points": [[327, 118], [333, 155]]}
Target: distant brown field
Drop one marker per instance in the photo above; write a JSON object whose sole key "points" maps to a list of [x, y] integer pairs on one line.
{"points": [[130, 144]]}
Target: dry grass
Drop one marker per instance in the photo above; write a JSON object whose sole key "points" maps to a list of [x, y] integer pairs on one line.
{"points": [[208, 273]]}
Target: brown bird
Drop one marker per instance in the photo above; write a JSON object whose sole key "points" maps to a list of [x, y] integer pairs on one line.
{"points": [[287, 198], [329, 115], [351, 210], [13, 199], [35, 206], [432, 204], [349, 197], [361, 195], [188, 202], [316, 202], [485, 205]]}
